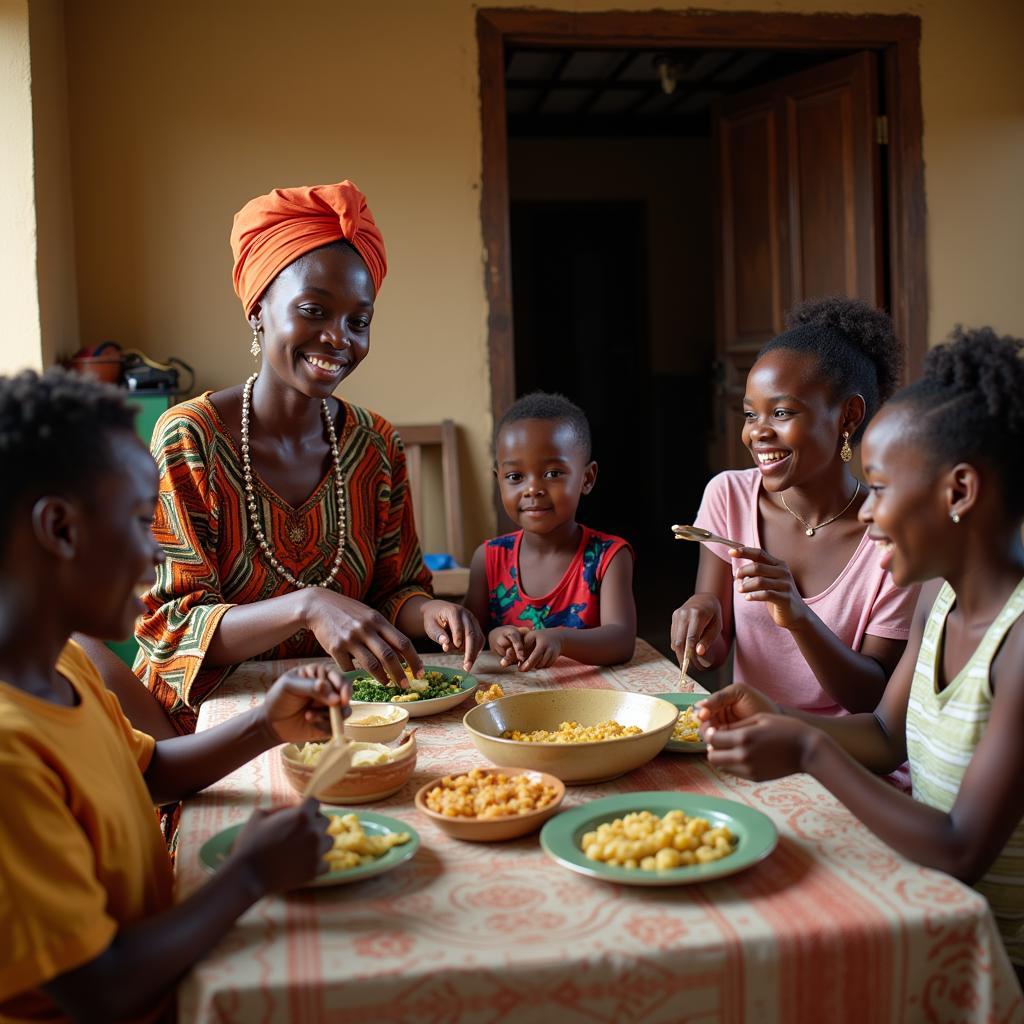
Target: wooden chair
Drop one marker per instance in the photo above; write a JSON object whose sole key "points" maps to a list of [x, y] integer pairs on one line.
{"points": [[447, 582]]}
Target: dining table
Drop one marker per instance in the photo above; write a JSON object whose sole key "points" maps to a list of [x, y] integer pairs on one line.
{"points": [[832, 926]]}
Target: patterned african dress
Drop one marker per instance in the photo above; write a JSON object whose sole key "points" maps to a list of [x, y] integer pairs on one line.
{"points": [[213, 556], [574, 603]]}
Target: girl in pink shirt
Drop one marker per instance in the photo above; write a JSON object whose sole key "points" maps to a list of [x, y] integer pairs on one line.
{"points": [[817, 624]]}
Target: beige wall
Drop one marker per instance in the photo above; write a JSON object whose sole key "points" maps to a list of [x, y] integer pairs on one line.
{"points": [[181, 111], [20, 343]]}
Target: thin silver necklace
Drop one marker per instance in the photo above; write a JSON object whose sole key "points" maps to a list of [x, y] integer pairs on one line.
{"points": [[809, 530], [250, 493]]}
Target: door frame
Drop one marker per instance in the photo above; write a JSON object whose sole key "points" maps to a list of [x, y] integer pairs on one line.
{"points": [[895, 37]]}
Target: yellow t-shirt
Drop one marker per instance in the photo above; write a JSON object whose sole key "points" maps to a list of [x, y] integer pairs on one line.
{"points": [[81, 855]]}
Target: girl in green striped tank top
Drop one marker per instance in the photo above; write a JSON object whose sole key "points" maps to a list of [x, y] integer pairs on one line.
{"points": [[946, 504]]}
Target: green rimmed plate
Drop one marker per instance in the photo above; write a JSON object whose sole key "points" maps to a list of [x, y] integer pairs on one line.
{"points": [[217, 848], [434, 706], [683, 701], [755, 834]]}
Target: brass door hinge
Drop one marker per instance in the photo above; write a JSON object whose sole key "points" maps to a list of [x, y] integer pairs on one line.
{"points": [[882, 130]]}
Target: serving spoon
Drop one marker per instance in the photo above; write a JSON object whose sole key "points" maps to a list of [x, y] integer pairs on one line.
{"points": [[335, 761]]}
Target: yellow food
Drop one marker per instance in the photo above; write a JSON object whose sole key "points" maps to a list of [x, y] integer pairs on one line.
{"points": [[405, 698], [493, 692], [643, 841], [687, 727], [573, 732], [480, 794], [364, 755], [373, 720], [353, 847]]}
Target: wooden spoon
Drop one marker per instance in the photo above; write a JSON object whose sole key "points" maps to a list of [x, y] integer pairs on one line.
{"points": [[702, 536], [335, 761]]}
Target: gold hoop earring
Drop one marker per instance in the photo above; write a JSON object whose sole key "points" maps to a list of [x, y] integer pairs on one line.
{"points": [[846, 452], [254, 348]]}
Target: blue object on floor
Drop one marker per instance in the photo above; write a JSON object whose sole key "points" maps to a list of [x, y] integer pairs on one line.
{"points": [[436, 562]]}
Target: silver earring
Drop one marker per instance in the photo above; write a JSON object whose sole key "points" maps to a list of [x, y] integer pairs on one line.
{"points": [[254, 348], [955, 516]]}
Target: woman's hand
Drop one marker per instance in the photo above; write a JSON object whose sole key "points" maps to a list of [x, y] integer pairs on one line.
{"points": [[732, 705], [768, 579], [763, 747], [450, 625], [695, 627], [507, 643], [543, 646], [355, 635], [283, 848], [295, 709]]}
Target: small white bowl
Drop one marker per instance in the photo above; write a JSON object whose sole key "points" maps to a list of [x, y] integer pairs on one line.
{"points": [[398, 717]]}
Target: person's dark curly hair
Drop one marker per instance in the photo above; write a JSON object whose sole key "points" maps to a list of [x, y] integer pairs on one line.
{"points": [[967, 406], [855, 346], [543, 405], [52, 435]]}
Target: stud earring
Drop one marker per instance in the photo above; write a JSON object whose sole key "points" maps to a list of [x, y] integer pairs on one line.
{"points": [[846, 452], [254, 348], [955, 517]]}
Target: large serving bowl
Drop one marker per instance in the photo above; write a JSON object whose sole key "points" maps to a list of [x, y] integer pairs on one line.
{"points": [[572, 762], [361, 785], [493, 830]]}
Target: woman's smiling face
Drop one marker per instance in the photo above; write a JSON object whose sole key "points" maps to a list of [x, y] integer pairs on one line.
{"points": [[315, 319], [792, 426]]}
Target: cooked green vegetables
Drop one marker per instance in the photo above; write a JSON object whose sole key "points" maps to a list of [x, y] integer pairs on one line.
{"points": [[432, 685]]}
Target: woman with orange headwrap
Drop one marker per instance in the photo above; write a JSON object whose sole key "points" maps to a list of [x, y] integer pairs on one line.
{"points": [[285, 512]]}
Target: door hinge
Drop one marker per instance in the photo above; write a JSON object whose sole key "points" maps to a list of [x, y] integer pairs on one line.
{"points": [[882, 130]]}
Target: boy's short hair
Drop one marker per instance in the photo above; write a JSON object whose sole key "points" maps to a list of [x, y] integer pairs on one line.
{"points": [[52, 434], [544, 405]]}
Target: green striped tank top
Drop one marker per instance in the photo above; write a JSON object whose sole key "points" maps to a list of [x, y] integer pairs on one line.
{"points": [[943, 730]]}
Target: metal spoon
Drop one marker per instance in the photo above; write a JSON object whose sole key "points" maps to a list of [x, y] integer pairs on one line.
{"points": [[702, 536]]}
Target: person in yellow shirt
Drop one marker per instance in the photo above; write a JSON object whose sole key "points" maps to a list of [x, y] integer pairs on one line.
{"points": [[90, 930]]}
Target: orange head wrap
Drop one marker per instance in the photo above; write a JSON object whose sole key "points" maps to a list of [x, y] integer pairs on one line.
{"points": [[274, 230]]}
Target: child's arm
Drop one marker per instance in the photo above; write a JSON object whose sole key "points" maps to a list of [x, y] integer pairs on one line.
{"points": [[702, 626], [294, 711], [989, 805], [608, 644], [854, 679], [476, 595], [276, 851]]}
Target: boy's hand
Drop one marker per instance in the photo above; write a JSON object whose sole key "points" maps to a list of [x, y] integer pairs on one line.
{"points": [[732, 705], [695, 627], [763, 747], [543, 647], [450, 625], [295, 709], [507, 642], [285, 847]]}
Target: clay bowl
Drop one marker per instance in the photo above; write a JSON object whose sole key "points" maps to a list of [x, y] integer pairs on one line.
{"points": [[356, 730], [105, 368], [493, 830], [572, 762], [362, 785]]}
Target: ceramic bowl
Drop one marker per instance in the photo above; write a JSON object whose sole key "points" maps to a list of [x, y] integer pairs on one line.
{"points": [[493, 830], [361, 785], [572, 762], [356, 730]]}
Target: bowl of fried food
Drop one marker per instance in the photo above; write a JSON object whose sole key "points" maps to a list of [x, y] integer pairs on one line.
{"points": [[378, 771], [488, 805], [373, 723], [579, 736]]}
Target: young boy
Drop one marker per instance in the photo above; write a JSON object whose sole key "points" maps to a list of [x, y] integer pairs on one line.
{"points": [[90, 928], [554, 587]]}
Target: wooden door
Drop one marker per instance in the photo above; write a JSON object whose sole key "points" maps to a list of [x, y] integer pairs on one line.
{"points": [[798, 214]]}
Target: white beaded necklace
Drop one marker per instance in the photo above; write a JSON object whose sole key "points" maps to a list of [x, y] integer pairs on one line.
{"points": [[250, 493]]}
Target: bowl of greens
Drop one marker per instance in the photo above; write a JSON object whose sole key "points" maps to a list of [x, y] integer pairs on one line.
{"points": [[439, 690]]}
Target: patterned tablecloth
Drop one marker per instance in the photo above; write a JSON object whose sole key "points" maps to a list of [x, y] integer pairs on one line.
{"points": [[833, 926]]}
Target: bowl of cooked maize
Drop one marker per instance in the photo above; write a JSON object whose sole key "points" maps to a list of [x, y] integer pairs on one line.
{"points": [[579, 736], [377, 771], [488, 805], [372, 723]]}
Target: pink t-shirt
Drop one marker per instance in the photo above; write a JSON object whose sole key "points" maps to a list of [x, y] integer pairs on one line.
{"points": [[863, 599]]}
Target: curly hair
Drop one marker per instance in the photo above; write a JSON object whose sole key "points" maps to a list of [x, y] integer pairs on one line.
{"points": [[52, 428], [967, 405], [544, 405], [855, 346]]}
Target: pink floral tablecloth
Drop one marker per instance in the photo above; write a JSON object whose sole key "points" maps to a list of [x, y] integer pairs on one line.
{"points": [[833, 926]]}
